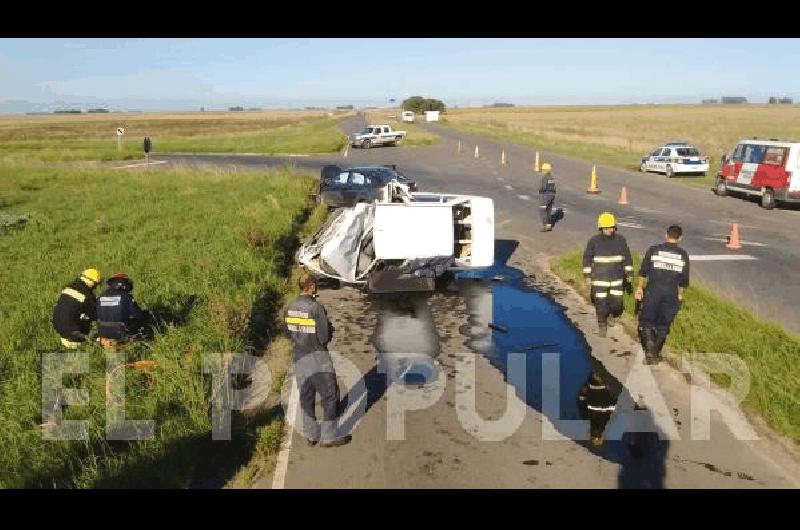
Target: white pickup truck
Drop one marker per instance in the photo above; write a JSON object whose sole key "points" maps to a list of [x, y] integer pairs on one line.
{"points": [[376, 135]]}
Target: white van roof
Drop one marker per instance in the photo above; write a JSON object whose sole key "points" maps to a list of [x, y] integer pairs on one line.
{"points": [[779, 143]]}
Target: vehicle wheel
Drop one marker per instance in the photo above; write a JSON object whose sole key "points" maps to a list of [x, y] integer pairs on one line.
{"points": [[669, 172], [392, 144], [398, 140], [720, 189], [643, 168], [768, 199], [366, 144]]}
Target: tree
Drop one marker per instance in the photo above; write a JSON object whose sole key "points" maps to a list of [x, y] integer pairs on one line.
{"points": [[418, 104]]}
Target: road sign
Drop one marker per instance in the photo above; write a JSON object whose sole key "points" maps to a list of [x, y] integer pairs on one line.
{"points": [[120, 131]]}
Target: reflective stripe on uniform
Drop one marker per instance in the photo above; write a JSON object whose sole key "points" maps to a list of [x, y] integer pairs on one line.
{"points": [[587, 270], [609, 259], [596, 387], [664, 259], [72, 293], [603, 283], [600, 295], [301, 329], [628, 267], [69, 344], [601, 409], [301, 321], [615, 292]]}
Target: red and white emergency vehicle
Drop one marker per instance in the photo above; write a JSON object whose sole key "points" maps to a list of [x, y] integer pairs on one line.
{"points": [[769, 169]]}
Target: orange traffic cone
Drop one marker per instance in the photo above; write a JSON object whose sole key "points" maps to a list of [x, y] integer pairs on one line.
{"points": [[623, 196], [593, 185], [733, 239]]}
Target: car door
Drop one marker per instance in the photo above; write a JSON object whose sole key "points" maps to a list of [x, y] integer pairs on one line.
{"points": [[385, 136], [663, 158], [753, 155], [358, 188], [650, 163]]}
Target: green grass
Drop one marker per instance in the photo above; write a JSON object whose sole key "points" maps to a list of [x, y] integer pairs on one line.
{"points": [[594, 153], [710, 324], [210, 253], [84, 139]]}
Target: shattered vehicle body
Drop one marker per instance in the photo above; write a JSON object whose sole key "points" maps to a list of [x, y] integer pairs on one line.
{"points": [[403, 241]]}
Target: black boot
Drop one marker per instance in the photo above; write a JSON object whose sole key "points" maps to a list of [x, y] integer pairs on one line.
{"points": [[660, 339], [650, 355]]}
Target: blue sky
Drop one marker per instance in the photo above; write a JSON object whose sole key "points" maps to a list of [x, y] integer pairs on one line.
{"points": [[275, 72]]}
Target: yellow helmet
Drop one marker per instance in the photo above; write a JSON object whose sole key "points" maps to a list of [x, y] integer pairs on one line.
{"points": [[606, 220], [546, 167], [93, 275]]}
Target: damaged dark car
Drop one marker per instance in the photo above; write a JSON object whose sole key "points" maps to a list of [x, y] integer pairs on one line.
{"points": [[342, 188]]}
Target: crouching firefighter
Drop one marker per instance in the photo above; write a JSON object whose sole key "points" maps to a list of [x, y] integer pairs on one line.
{"points": [[666, 269], [607, 263], [119, 317], [310, 331], [75, 310]]}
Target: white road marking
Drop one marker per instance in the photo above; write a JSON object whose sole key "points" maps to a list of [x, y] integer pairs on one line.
{"points": [[142, 164], [728, 223], [501, 223], [742, 241], [279, 478], [646, 210], [499, 178], [630, 225], [509, 188], [722, 257], [524, 197]]}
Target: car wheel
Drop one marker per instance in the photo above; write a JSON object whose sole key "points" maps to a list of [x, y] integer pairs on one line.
{"points": [[720, 189], [669, 172], [366, 144], [768, 199], [643, 168]]}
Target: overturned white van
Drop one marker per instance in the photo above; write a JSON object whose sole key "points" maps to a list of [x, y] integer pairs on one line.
{"points": [[403, 241]]}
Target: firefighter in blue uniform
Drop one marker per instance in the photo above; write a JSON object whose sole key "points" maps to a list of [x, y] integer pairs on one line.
{"points": [[547, 195], [75, 310], [666, 268], [310, 331], [607, 262], [119, 317]]}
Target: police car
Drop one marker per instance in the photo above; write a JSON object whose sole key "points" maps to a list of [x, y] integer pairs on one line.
{"points": [[675, 158]]}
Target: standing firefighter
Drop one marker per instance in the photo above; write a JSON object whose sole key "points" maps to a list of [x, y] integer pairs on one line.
{"points": [[666, 269], [119, 317], [607, 262], [76, 309], [547, 195], [597, 404], [310, 330]]}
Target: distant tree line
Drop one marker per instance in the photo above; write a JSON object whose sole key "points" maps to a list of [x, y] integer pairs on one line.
{"points": [[418, 104]]}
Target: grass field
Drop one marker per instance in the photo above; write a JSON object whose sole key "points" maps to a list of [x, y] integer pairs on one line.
{"points": [[710, 324], [416, 135], [93, 137], [621, 135], [210, 254]]}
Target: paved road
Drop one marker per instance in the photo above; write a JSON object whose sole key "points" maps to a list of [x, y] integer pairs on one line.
{"points": [[440, 445], [766, 280]]}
